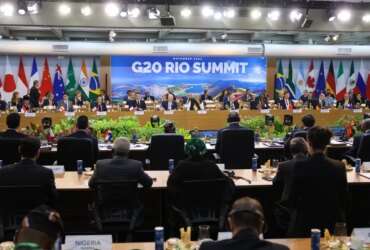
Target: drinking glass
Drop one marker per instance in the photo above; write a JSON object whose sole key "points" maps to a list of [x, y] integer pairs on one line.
{"points": [[340, 232], [275, 163], [203, 232]]}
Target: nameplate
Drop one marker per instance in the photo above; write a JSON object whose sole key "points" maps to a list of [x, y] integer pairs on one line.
{"points": [[224, 236], [76, 107], [202, 112], [88, 242], [361, 234], [69, 114], [139, 112], [50, 107], [30, 114], [168, 112], [325, 111], [265, 111], [234, 110], [297, 111], [58, 170], [366, 166], [101, 113], [357, 111]]}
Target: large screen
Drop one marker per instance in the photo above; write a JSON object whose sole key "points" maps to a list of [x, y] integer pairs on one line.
{"points": [[186, 74]]}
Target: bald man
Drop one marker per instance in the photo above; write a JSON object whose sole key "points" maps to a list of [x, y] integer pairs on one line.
{"points": [[120, 167], [246, 221]]}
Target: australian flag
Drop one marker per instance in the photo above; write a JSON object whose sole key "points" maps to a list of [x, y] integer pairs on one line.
{"points": [[58, 84]]}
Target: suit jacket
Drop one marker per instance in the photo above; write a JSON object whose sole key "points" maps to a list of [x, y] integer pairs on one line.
{"points": [[46, 102], [27, 172], [353, 152], [3, 105], [120, 168], [165, 105], [244, 240], [253, 104], [318, 195], [67, 107], [232, 126], [12, 134], [304, 99], [84, 134], [282, 181], [283, 105], [34, 97], [101, 107]]}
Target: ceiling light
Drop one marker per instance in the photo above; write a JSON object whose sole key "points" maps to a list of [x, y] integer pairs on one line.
{"points": [[332, 18], [7, 9], [86, 10], [135, 12], [327, 38], [295, 15], [217, 15], [64, 9], [366, 18], [207, 11], [335, 37], [22, 8], [224, 36], [33, 7], [123, 13], [255, 14], [274, 15], [112, 33], [153, 13], [111, 9], [21, 12], [229, 13], [344, 15], [186, 12]]}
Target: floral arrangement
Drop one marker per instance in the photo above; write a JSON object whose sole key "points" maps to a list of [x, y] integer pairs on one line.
{"points": [[257, 124]]}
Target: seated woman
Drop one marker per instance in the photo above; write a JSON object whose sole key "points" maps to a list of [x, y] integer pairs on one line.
{"points": [[224, 99], [16, 101], [26, 105], [49, 100]]}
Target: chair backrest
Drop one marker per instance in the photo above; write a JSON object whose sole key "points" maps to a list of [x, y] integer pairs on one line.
{"points": [[71, 149], [164, 147], [364, 148], [301, 133], [237, 148], [9, 152]]}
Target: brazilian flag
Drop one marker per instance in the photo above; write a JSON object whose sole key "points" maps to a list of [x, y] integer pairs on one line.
{"points": [[94, 83]]}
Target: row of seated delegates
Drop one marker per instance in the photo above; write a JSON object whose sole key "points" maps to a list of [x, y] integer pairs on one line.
{"points": [[245, 99], [134, 100]]}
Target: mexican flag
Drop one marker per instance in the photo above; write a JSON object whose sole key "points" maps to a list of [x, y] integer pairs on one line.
{"points": [[341, 83]]}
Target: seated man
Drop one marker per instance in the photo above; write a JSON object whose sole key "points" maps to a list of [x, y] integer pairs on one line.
{"points": [[100, 106], [12, 121], [319, 188], [246, 221], [65, 104], [120, 167], [28, 172], [365, 127], [82, 131], [308, 121], [42, 226], [286, 103], [169, 103], [3, 104], [169, 128]]}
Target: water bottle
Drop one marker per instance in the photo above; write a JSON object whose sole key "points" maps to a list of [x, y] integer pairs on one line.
{"points": [[80, 167], [159, 238], [358, 165], [1, 163], [171, 165], [254, 164]]}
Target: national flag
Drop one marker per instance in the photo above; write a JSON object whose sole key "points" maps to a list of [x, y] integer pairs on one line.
{"points": [[320, 84], [46, 85], [289, 84], [279, 80], [310, 82], [368, 86], [22, 85], [58, 84], [299, 81], [360, 82], [34, 73], [9, 83], [83, 84], [70, 87], [94, 82], [330, 78], [341, 83], [351, 83]]}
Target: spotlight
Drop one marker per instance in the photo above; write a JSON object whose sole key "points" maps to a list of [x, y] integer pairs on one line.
{"points": [[64, 9], [1, 37], [7, 9], [86, 10], [366, 18], [335, 38], [229, 13], [344, 15], [153, 13], [255, 14], [217, 15], [274, 15], [33, 7], [207, 11], [22, 8], [331, 15], [21, 12], [186, 13], [123, 13], [224, 36], [295, 15], [112, 33], [135, 12], [327, 38], [111, 9]]}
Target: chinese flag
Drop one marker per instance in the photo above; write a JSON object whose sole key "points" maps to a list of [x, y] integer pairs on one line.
{"points": [[46, 83]]}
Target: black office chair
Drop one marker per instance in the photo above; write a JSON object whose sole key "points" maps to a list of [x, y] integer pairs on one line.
{"points": [[164, 147], [16, 202], [236, 148], [116, 208], [203, 202], [72, 149], [9, 152], [363, 151]]}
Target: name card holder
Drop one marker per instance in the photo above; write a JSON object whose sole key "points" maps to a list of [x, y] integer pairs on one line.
{"points": [[30, 114], [202, 112], [265, 111], [69, 114], [297, 111], [357, 111], [101, 113], [85, 242], [324, 110], [169, 112], [234, 111], [366, 166], [139, 112], [58, 170]]}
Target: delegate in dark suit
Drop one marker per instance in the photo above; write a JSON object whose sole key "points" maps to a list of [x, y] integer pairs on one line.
{"points": [[84, 134], [169, 106], [318, 195], [12, 134], [120, 168], [34, 97], [3, 105], [27, 172], [244, 240]]}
